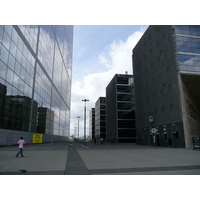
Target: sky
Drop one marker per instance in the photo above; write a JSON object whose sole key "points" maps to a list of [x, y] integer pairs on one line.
{"points": [[99, 52]]}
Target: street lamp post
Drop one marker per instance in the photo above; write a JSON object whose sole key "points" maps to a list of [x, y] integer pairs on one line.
{"points": [[75, 131], [85, 100], [78, 126]]}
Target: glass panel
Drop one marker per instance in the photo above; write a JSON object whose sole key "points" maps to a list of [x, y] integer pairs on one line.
{"points": [[20, 44], [8, 29], [22, 73], [19, 55], [11, 62], [6, 40], [14, 36], [13, 48], [14, 91], [15, 80], [1, 33], [9, 76], [4, 55], [17, 68], [2, 70], [21, 85]]}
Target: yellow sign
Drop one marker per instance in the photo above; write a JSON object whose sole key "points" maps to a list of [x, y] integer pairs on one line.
{"points": [[37, 138]]}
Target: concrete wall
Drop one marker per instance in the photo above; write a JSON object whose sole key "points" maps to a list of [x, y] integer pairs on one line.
{"points": [[191, 121], [11, 137]]}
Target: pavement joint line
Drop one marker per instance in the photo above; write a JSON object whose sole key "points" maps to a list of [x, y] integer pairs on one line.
{"points": [[143, 169], [75, 164], [104, 171], [33, 173]]}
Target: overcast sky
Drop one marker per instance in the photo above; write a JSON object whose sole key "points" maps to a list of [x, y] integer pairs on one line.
{"points": [[100, 52]]}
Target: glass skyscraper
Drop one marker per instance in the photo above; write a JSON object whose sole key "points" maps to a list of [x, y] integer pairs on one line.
{"points": [[35, 78]]}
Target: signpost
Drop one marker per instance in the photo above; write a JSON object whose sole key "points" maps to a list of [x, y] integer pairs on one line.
{"points": [[196, 142], [37, 138]]}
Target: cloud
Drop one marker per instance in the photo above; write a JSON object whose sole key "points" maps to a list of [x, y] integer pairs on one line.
{"points": [[115, 59]]}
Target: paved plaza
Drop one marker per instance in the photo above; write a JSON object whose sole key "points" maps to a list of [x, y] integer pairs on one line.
{"points": [[65, 158]]}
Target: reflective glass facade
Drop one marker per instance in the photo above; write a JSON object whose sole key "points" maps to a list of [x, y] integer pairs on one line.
{"points": [[188, 48], [35, 78]]}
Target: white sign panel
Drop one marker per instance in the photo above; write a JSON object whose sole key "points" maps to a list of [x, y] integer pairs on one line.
{"points": [[153, 130], [150, 118]]}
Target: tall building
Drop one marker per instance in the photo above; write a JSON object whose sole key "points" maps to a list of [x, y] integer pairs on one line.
{"points": [[100, 118], [92, 123], [35, 78], [120, 111], [166, 65], [45, 117]]}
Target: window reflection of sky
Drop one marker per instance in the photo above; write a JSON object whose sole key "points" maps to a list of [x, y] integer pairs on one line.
{"points": [[188, 47], [187, 29], [18, 76]]}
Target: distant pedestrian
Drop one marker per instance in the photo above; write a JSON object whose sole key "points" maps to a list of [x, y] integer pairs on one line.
{"points": [[95, 141], [112, 141], [21, 143], [101, 140]]}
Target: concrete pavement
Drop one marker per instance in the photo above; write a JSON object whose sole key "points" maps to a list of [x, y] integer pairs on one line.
{"points": [[63, 158], [41, 159]]}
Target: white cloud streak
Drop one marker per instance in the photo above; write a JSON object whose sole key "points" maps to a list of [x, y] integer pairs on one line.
{"points": [[116, 59]]}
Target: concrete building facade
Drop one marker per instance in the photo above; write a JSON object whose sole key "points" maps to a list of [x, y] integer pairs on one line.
{"points": [[120, 111], [100, 118], [92, 123], [166, 65]]}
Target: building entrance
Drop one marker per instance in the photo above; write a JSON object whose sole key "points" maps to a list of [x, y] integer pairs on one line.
{"points": [[157, 140]]}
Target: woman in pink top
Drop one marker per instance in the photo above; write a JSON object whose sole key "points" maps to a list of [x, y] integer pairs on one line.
{"points": [[21, 143]]}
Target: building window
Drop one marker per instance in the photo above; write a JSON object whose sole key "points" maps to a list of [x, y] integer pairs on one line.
{"points": [[164, 88], [161, 55], [157, 44], [149, 37], [164, 36]]}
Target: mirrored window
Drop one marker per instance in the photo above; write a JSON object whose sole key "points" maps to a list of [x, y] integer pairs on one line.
{"points": [[3, 70], [4, 54]]}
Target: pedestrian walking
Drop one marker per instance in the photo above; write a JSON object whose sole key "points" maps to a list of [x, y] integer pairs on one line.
{"points": [[21, 143], [101, 140]]}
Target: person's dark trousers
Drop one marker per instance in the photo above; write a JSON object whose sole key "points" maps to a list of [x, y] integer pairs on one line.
{"points": [[20, 152]]}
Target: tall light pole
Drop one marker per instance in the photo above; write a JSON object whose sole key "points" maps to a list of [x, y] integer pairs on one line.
{"points": [[78, 126], [85, 100], [75, 131]]}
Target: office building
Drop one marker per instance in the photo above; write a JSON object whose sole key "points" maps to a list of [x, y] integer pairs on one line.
{"points": [[120, 109], [45, 119], [92, 123], [166, 65], [100, 118], [35, 78]]}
